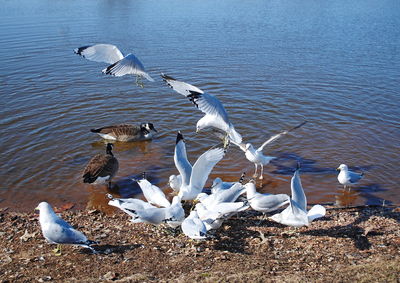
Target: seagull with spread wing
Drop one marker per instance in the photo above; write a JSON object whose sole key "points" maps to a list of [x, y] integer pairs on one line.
{"points": [[193, 178], [216, 115], [256, 155], [120, 65]]}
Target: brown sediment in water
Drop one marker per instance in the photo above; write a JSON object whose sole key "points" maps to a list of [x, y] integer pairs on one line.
{"points": [[347, 245]]}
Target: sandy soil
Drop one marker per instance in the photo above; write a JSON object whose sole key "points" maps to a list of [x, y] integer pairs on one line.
{"points": [[361, 244]]}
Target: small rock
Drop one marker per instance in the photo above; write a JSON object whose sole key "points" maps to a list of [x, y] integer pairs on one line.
{"points": [[110, 275], [27, 236]]}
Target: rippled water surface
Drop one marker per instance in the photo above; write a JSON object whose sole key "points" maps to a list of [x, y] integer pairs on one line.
{"points": [[272, 64]]}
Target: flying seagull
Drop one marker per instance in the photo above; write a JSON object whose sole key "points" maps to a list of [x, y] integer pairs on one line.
{"points": [[296, 213], [256, 155], [120, 65], [194, 178], [215, 114]]}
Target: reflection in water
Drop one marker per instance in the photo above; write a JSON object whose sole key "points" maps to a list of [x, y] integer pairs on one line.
{"points": [[346, 197]]}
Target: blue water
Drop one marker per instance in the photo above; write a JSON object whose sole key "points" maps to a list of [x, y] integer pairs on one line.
{"points": [[272, 64]]}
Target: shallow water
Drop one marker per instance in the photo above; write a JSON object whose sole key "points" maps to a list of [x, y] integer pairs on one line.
{"points": [[272, 64]]}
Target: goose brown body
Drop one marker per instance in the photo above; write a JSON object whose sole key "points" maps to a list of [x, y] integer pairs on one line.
{"points": [[126, 132], [101, 166]]}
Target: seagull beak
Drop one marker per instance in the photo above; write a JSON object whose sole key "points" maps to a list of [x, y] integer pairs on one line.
{"points": [[338, 169], [36, 210]]}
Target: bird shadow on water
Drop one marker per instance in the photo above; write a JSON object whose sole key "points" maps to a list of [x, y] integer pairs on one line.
{"points": [[286, 163]]}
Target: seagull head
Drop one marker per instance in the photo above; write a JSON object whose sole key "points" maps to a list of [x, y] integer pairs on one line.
{"points": [[342, 167], [173, 182], [249, 146], [217, 181]]}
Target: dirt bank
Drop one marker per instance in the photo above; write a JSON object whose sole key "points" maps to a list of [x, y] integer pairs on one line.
{"points": [[349, 244]]}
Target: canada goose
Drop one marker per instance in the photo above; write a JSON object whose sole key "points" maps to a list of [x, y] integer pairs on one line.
{"points": [[101, 168], [127, 132], [57, 231]]}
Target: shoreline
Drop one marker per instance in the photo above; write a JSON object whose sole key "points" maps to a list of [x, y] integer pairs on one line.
{"points": [[360, 243]]}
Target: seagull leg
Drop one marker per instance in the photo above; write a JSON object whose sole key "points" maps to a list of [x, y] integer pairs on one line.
{"points": [[226, 141], [57, 251], [255, 171], [139, 81], [262, 172]]}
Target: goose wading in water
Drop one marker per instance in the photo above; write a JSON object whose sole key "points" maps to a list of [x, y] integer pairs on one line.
{"points": [[127, 132], [101, 168]]}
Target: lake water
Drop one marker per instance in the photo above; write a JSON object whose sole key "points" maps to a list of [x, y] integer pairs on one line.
{"points": [[272, 64]]}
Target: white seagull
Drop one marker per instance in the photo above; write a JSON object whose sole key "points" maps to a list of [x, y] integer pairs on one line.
{"points": [[120, 65], [194, 178], [264, 202], [193, 227], [296, 213], [172, 215], [128, 205], [347, 177], [213, 217], [153, 194], [216, 115], [228, 195], [256, 155], [218, 184], [57, 231]]}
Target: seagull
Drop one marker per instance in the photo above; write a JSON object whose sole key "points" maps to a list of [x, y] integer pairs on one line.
{"points": [[120, 65], [215, 114], [296, 213], [264, 202], [214, 216], [152, 193], [218, 184], [229, 195], [128, 205], [347, 177], [256, 155], [175, 182], [127, 132], [193, 227], [101, 168], [194, 178], [57, 231], [172, 215], [182, 164]]}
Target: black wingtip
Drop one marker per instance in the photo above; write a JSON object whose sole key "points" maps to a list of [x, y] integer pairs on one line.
{"points": [[79, 50], [242, 178], [95, 130], [166, 77], [144, 175], [179, 137], [298, 166]]}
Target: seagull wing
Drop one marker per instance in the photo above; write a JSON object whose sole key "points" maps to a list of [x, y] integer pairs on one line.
{"points": [[153, 194], [277, 136], [129, 65], [181, 160], [207, 103], [317, 211], [354, 177], [106, 53], [298, 194], [203, 166]]}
